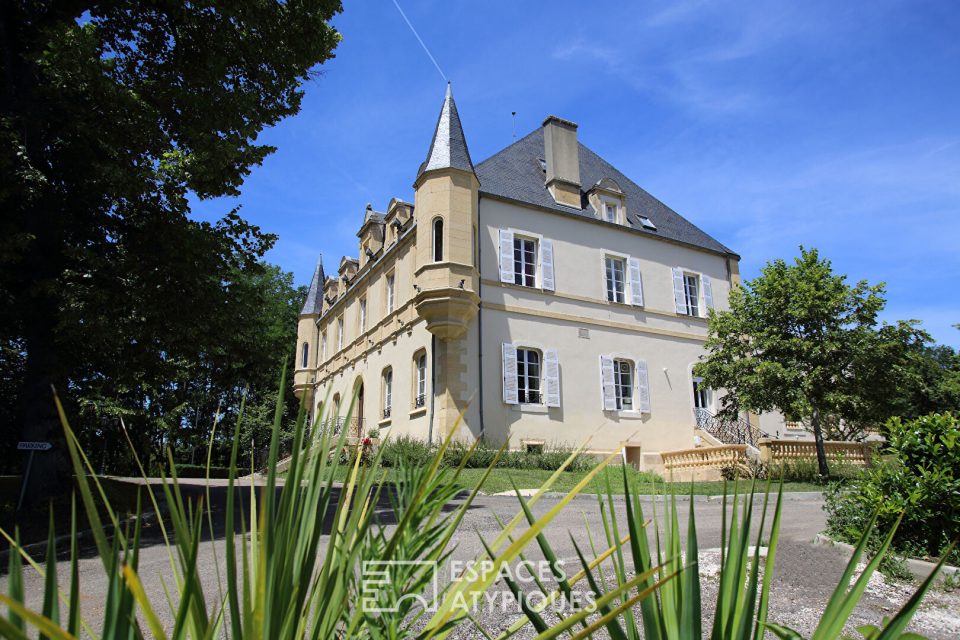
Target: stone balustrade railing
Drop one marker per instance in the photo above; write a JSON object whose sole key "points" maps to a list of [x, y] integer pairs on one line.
{"points": [[774, 451], [705, 457]]}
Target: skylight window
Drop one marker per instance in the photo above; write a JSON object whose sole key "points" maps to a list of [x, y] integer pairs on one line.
{"points": [[647, 223]]}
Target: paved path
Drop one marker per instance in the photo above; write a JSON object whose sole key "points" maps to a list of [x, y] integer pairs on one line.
{"points": [[804, 574]]}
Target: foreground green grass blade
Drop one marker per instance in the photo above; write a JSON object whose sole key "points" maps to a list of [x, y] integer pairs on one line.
{"points": [[898, 624], [842, 602], [691, 622], [51, 603], [653, 624], [769, 565], [46, 626], [73, 612], [469, 589], [136, 588], [15, 580]]}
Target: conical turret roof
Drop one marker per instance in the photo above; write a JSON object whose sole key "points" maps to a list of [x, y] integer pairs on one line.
{"points": [[314, 302], [448, 149]]}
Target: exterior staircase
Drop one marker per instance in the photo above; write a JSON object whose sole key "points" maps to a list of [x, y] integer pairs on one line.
{"points": [[723, 431]]}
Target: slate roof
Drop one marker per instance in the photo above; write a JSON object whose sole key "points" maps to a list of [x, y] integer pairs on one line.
{"points": [[314, 302], [371, 217], [516, 173], [448, 149]]}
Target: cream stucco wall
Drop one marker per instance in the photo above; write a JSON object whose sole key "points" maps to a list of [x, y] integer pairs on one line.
{"points": [[668, 342]]}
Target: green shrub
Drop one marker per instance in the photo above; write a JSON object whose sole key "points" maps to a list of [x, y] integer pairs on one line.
{"points": [[417, 452], [200, 471], [413, 451], [807, 470], [923, 482]]}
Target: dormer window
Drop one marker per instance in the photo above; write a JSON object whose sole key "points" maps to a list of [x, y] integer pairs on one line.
{"points": [[610, 212], [608, 201]]}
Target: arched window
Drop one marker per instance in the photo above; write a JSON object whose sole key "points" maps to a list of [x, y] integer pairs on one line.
{"points": [[438, 240], [387, 383], [419, 379], [304, 355], [702, 397]]}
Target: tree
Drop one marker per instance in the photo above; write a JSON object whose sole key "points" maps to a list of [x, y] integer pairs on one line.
{"points": [[112, 113], [800, 340]]}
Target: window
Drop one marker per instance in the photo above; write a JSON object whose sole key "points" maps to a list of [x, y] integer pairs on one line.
{"points": [[363, 315], [339, 333], [609, 211], [524, 262], [305, 355], [323, 347], [387, 392], [390, 283], [615, 280], [623, 384], [647, 223], [420, 377], [438, 240], [691, 294], [701, 394], [528, 376]]}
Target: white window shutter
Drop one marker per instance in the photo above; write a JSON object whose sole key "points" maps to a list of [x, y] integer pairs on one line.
{"points": [[506, 255], [551, 374], [707, 291], [546, 265], [510, 395], [636, 285], [643, 387], [678, 294], [606, 384]]}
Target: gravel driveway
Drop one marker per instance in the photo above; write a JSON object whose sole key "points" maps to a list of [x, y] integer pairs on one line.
{"points": [[805, 574]]}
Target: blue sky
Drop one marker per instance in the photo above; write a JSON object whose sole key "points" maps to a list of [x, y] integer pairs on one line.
{"points": [[768, 124]]}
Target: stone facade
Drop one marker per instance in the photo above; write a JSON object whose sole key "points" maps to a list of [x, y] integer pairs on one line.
{"points": [[550, 321]]}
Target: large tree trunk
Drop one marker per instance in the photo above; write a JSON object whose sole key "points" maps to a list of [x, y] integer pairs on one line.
{"points": [[818, 439], [48, 470]]}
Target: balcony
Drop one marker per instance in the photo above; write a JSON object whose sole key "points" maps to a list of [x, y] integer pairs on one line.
{"points": [[354, 425]]}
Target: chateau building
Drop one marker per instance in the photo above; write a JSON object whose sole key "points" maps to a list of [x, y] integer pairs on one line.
{"points": [[541, 291]]}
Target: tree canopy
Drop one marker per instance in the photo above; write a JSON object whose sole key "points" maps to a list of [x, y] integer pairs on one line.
{"points": [[801, 340], [112, 114]]}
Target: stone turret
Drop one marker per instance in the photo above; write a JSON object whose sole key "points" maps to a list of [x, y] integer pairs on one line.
{"points": [[445, 208], [446, 274], [305, 370]]}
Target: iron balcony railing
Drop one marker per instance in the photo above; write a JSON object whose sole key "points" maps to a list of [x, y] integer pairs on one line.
{"points": [[355, 425], [728, 431]]}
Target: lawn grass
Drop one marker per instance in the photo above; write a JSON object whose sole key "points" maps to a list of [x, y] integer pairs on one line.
{"points": [[500, 480]]}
